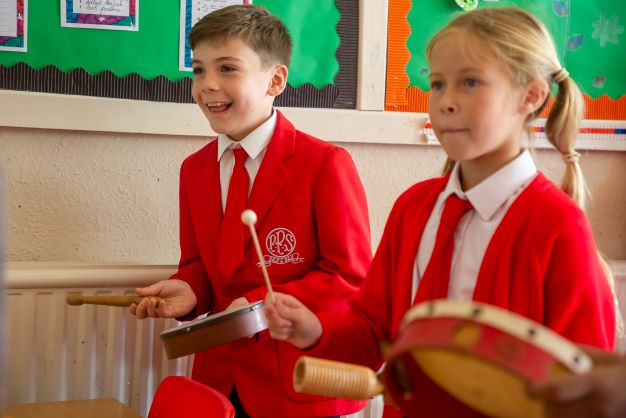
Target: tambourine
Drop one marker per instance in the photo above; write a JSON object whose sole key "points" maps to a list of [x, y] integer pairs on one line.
{"points": [[481, 355], [213, 330]]}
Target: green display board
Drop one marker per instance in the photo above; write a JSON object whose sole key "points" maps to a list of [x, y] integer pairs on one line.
{"points": [[153, 50], [589, 36]]}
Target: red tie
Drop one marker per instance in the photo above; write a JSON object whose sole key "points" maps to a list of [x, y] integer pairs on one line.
{"points": [[434, 282], [231, 240]]}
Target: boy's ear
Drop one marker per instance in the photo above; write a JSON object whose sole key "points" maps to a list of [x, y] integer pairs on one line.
{"points": [[536, 93], [278, 82]]}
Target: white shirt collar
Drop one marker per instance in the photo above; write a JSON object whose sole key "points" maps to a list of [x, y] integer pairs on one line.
{"points": [[254, 143], [490, 194]]}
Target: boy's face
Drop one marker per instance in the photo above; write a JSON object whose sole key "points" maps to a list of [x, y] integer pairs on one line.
{"points": [[233, 89]]}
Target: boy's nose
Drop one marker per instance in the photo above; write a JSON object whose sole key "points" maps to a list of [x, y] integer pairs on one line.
{"points": [[210, 84]]}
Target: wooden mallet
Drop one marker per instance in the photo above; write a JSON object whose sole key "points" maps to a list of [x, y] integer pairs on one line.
{"points": [[248, 217], [109, 300]]}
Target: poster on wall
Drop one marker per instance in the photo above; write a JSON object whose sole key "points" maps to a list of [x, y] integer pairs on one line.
{"points": [[100, 14], [13, 19], [190, 12]]}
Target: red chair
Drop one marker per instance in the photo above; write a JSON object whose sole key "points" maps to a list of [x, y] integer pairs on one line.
{"points": [[181, 397]]}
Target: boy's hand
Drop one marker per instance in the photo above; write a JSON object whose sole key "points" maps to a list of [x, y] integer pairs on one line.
{"points": [[176, 299], [289, 320], [238, 303], [599, 393]]}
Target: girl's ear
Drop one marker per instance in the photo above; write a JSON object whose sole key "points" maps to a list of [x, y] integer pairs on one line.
{"points": [[278, 82], [535, 95]]}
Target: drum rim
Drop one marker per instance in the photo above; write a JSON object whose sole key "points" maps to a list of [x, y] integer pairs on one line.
{"points": [[563, 350], [185, 327]]}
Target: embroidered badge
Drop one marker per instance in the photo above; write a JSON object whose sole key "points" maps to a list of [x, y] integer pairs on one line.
{"points": [[280, 244]]}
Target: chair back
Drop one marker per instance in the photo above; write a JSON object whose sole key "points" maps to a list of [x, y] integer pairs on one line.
{"points": [[181, 397]]}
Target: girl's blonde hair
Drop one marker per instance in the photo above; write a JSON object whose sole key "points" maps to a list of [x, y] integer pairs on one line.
{"points": [[522, 45]]}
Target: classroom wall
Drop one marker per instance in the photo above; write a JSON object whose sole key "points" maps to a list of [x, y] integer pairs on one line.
{"points": [[107, 197]]}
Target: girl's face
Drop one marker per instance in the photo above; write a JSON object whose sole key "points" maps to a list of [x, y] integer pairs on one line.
{"points": [[475, 111]]}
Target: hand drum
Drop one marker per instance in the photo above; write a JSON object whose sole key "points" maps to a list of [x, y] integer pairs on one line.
{"points": [[213, 330]]}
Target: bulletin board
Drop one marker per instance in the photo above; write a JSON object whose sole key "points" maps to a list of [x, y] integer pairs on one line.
{"points": [[589, 36], [143, 64]]}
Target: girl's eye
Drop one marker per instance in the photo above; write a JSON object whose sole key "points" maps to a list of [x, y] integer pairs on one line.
{"points": [[227, 69], [436, 85], [197, 70], [471, 82]]}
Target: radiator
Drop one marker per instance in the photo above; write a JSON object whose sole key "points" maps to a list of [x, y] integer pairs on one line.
{"points": [[61, 352]]}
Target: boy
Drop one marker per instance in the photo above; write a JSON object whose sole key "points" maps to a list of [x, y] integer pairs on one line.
{"points": [[312, 214]]}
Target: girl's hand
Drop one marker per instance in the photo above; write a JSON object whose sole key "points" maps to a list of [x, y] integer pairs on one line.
{"points": [[173, 298], [289, 320], [598, 393]]}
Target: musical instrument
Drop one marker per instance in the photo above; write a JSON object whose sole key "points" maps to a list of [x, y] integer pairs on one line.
{"points": [[482, 355], [213, 330], [109, 300]]}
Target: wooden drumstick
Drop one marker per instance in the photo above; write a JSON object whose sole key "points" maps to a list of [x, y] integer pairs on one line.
{"points": [[248, 217], [109, 300]]}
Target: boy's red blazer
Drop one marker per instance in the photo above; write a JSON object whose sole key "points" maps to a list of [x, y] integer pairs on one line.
{"points": [[313, 227]]}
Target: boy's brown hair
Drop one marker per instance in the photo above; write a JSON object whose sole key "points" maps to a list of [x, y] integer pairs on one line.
{"points": [[262, 31]]}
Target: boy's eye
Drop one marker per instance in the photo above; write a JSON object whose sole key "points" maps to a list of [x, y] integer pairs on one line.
{"points": [[436, 85], [197, 70], [470, 82], [227, 69]]}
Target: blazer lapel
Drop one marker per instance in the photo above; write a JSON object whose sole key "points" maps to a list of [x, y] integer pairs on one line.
{"points": [[273, 174]]}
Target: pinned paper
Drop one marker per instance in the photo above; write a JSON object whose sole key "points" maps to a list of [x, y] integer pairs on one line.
{"points": [[467, 5]]}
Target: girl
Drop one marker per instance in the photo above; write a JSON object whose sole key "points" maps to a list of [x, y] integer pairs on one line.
{"points": [[493, 229]]}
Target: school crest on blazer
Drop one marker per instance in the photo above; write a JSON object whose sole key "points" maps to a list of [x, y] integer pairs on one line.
{"points": [[280, 244]]}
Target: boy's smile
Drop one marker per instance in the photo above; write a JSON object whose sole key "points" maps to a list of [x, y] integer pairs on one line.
{"points": [[233, 88]]}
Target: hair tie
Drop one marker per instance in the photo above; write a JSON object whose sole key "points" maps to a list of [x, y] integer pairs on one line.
{"points": [[571, 157], [560, 75]]}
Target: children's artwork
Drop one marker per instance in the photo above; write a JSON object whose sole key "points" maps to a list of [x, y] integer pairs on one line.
{"points": [[190, 12], [100, 14], [13, 25]]}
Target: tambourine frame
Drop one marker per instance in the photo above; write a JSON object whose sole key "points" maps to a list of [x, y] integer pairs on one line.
{"points": [[214, 330], [210, 320]]}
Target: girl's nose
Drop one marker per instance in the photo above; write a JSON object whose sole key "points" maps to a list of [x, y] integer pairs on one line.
{"points": [[448, 106]]}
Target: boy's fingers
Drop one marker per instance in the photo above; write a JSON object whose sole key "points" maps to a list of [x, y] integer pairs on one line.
{"points": [[281, 334], [275, 319], [151, 290]]}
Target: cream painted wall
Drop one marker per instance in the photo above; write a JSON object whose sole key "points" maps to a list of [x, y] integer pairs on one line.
{"points": [[107, 197]]}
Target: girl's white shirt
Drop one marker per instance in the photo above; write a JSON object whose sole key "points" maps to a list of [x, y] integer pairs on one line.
{"points": [[255, 145], [490, 200]]}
